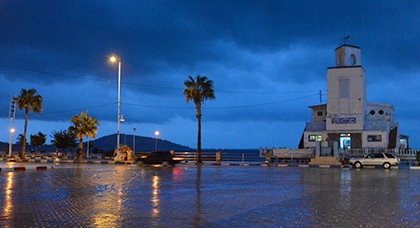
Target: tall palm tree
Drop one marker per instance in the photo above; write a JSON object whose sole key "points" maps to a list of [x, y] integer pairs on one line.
{"points": [[198, 90], [28, 100], [83, 125]]}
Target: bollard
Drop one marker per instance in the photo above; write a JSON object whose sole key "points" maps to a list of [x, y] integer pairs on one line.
{"points": [[267, 156], [218, 157]]}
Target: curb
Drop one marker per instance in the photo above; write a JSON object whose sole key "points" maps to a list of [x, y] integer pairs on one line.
{"points": [[72, 161], [22, 168], [44, 167], [270, 165], [51, 164]]}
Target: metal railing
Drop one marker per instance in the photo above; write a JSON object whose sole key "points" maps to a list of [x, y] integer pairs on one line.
{"points": [[232, 156], [401, 153]]}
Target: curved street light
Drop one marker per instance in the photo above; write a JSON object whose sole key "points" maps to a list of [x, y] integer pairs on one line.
{"points": [[116, 59], [157, 134]]}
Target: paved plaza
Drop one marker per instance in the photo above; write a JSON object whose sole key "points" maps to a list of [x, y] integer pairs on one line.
{"points": [[110, 195]]}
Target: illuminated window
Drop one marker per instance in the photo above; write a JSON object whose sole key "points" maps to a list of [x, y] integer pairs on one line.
{"points": [[374, 138], [315, 138]]}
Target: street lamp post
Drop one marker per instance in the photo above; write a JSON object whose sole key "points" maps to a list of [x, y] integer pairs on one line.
{"points": [[134, 142], [115, 59], [12, 130], [12, 115], [157, 134]]}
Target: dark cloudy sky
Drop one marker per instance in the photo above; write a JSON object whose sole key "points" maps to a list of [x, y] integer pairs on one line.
{"points": [[268, 61]]}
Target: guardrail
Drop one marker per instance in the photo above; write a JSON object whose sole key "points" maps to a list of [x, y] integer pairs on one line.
{"points": [[225, 155], [235, 156], [52, 155], [405, 154]]}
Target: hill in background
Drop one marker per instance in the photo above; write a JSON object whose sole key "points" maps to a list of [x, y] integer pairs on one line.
{"points": [[143, 144], [108, 143]]}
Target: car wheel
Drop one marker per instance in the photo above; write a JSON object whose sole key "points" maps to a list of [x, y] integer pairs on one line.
{"points": [[165, 163], [387, 165], [358, 165]]}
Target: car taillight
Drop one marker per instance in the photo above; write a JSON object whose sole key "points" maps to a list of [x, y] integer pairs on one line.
{"points": [[177, 159]]}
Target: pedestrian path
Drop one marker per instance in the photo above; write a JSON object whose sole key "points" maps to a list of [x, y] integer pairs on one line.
{"points": [[189, 195]]}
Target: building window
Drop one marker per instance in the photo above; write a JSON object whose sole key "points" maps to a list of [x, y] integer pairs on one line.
{"points": [[372, 112], [344, 88], [315, 138], [374, 138], [319, 113], [381, 112]]}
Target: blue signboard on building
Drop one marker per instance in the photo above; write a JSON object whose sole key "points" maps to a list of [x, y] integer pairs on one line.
{"points": [[347, 120]]}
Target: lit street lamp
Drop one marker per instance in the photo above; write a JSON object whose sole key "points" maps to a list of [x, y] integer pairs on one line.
{"points": [[134, 142], [157, 134], [115, 59], [12, 130]]}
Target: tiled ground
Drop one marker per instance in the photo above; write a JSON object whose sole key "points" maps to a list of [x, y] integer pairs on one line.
{"points": [[108, 195]]}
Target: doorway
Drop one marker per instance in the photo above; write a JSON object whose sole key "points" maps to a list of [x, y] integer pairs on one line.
{"points": [[345, 141]]}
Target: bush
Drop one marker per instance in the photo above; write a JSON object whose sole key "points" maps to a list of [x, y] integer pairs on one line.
{"points": [[109, 153]]}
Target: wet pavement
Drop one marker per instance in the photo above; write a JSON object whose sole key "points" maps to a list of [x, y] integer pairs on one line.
{"points": [[109, 195]]}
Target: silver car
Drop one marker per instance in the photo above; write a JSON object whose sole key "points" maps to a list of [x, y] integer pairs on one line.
{"points": [[375, 159]]}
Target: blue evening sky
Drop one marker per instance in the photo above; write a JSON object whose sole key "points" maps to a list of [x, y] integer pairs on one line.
{"points": [[268, 61]]}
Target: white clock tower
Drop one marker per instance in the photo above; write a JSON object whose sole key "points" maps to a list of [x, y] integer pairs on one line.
{"points": [[348, 121], [346, 86]]}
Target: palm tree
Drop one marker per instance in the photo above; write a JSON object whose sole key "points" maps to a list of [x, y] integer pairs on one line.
{"points": [[198, 90], [28, 100], [83, 125]]}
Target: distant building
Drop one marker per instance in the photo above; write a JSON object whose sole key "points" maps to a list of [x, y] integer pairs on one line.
{"points": [[348, 120]]}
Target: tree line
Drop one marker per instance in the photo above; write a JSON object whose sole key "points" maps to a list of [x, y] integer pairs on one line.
{"points": [[82, 125], [196, 89], [62, 140]]}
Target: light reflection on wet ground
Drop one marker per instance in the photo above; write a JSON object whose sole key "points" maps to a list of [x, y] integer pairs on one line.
{"points": [[209, 196]]}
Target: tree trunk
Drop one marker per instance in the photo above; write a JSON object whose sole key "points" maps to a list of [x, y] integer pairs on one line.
{"points": [[198, 115], [199, 158], [80, 150], [23, 150]]}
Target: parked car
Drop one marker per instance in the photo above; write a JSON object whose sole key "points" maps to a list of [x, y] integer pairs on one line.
{"points": [[160, 157], [375, 159]]}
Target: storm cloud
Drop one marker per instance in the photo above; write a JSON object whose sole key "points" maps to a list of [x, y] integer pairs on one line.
{"points": [[268, 61]]}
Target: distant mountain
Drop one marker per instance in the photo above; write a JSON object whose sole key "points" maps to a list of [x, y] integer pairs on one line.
{"points": [[143, 144], [108, 143]]}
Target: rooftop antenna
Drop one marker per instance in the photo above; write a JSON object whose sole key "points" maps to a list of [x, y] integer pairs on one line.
{"points": [[347, 39], [320, 96]]}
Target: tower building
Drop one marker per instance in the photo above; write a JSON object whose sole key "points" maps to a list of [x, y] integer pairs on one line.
{"points": [[348, 120]]}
